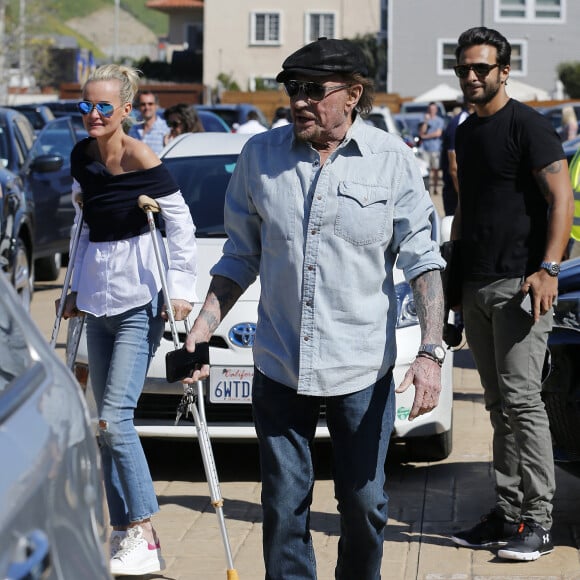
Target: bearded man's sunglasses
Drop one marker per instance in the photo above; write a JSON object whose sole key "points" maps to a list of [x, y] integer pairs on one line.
{"points": [[481, 69]]}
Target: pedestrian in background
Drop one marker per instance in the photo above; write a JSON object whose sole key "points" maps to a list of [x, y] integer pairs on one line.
{"points": [[116, 284], [321, 209], [281, 117], [252, 124], [152, 128], [513, 221], [430, 135], [569, 128], [181, 118]]}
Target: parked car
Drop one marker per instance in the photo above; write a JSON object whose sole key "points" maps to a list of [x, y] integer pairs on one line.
{"points": [[213, 123], [561, 387], [554, 113], [40, 166], [234, 114], [202, 165], [47, 176], [16, 234], [570, 147], [38, 115], [68, 108], [52, 521]]}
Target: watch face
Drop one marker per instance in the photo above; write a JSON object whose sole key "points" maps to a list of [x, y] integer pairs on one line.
{"points": [[439, 352]]}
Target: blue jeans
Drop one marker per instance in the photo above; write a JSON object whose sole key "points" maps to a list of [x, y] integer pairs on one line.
{"points": [[120, 349], [508, 349], [360, 427]]}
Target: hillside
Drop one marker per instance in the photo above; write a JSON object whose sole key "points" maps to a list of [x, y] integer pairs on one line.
{"points": [[135, 40]]}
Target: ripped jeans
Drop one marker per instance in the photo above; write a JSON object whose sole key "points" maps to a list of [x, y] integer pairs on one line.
{"points": [[120, 349]]}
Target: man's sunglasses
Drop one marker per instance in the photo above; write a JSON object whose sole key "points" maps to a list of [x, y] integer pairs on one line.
{"points": [[481, 69], [104, 109], [313, 91]]}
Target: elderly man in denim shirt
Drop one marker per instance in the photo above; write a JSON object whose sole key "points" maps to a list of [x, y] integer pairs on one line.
{"points": [[321, 209]]}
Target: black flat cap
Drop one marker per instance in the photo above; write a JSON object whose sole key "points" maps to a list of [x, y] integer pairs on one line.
{"points": [[324, 57]]}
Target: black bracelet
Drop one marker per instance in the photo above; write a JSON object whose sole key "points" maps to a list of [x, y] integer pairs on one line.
{"points": [[428, 355]]}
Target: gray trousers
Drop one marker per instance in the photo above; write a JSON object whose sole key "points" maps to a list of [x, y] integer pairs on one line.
{"points": [[509, 350]]}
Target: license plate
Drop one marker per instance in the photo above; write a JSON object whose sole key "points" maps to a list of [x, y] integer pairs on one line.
{"points": [[230, 384]]}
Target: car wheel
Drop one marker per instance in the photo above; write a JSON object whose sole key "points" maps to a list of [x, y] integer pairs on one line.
{"points": [[48, 269], [561, 394], [23, 277], [432, 448]]}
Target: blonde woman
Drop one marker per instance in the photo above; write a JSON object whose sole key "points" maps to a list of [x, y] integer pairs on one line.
{"points": [[569, 128], [117, 285]]}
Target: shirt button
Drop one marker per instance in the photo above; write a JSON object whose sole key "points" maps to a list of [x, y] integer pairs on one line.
{"points": [[309, 303], [319, 197], [306, 339], [313, 232], [310, 268], [316, 163]]}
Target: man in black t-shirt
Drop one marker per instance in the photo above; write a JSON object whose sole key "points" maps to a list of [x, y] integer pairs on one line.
{"points": [[513, 219]]}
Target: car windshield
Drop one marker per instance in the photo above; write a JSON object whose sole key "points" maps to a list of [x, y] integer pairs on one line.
{"points": [[203, 182]]}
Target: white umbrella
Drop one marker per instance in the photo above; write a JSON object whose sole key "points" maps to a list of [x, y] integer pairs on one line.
{"points": [[442, 92], [523, 92]]}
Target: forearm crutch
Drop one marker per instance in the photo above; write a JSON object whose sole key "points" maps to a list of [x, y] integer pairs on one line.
{"points": [[193, 397], [67, 278]]}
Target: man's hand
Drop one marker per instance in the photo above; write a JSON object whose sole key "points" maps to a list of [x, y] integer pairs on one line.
{"points": [[190, 343], [425, 374], [544, 289]]}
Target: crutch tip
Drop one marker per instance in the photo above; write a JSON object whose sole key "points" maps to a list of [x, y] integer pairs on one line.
{"points": [[232, 575]]}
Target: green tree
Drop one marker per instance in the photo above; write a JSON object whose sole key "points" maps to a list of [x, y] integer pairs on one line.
{"points": [[375, 54], [569, 74]]}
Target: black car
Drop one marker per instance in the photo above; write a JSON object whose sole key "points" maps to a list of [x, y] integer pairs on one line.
{"points": [[39, 166]]}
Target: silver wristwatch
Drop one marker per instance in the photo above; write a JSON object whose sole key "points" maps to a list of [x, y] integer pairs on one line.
{"points": [[433, 351], [553, 268]]}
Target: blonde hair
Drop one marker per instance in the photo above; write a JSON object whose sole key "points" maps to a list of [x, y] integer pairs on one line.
{"points": [[128, 78], [569, 115]]}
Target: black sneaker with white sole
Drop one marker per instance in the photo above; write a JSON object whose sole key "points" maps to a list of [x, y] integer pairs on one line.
{"points": [[492, 531], [529, 543]]}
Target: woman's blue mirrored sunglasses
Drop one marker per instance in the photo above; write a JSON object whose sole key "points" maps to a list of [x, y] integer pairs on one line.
{"points": [[104, 109]]}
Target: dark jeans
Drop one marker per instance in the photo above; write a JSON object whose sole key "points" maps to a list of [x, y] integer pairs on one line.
{"points": [[360, 426]]}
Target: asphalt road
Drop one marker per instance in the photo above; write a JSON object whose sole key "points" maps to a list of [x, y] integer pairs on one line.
{"points": [[428, 502]]}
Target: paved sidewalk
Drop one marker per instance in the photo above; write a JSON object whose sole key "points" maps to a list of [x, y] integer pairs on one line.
{"points": [[427, 503]]}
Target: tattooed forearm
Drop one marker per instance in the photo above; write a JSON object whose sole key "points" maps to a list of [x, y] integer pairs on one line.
{"points": [[428, 294], [221, 296], [541, 178]]}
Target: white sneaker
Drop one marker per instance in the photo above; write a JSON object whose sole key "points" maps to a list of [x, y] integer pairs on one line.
{"points": [[136, 556], [115, 540]]}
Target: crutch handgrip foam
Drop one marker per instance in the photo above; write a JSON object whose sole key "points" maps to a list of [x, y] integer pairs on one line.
{"points": [[232, 575], [147, 203]]}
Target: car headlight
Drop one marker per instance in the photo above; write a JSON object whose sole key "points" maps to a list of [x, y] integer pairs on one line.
{"points": [[406, 311]]}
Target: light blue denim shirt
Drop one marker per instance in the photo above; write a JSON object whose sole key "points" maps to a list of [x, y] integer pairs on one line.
{"points": [[324, 240]]}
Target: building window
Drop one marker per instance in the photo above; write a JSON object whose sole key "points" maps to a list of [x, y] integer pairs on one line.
{"points": [[519, 58], [530, 10], [446, 59], [320, 24], [265, 28]]}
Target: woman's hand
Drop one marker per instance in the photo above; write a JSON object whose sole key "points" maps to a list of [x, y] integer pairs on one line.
{"points": [[181, 309], [70, 306]]}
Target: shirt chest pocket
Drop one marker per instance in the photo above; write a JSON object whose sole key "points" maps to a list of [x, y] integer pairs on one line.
{"points": [[364, 213]]}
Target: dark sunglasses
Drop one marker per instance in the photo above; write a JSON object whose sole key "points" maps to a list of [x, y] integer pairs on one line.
{"points": [[175, 124], [104, 109], [313, 91], [481, 69]]}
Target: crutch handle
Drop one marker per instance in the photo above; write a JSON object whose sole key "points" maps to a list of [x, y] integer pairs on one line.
{"points": [[147, 203]]}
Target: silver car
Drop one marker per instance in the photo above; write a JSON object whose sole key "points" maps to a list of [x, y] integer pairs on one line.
{"points": [[51, 495]]}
